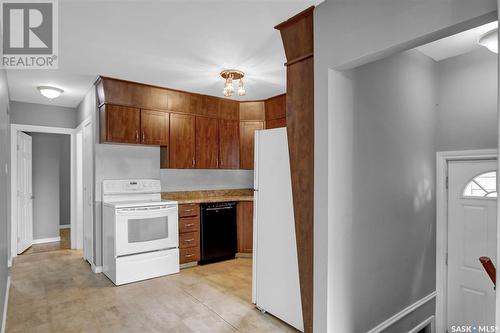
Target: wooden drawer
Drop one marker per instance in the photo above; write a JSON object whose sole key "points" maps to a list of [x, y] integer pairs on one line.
{"points": [[189, 255], [189, 210], [189, 239], [189, 224]]}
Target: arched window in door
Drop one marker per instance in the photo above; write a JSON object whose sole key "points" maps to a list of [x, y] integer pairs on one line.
{"points": [[482, 186]]}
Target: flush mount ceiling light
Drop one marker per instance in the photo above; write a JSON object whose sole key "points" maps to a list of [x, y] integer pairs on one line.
{"points": [[50, 92], [490, 40], [229, 75]]}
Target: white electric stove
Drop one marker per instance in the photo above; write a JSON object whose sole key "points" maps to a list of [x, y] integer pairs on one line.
{"points": [[140, 231]]}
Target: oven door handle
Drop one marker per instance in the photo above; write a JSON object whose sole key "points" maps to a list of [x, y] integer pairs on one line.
{"points": [[145, 210]]}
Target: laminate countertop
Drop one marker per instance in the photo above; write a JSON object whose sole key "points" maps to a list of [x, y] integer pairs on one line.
{"points": [[186, 197]]}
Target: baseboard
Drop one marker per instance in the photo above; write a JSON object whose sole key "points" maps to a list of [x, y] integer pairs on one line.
{"points": [[406, 311], [6, 303], [243, 255], [96, 269], [429, 321], [189, 264], [65, 226], [46, 240]]}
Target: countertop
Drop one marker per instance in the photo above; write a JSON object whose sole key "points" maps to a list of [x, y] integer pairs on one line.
{"points": [[186, 197]]}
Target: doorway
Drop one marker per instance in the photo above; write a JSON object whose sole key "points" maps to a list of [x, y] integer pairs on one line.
{"points": [[466, 230], [23, 198]]}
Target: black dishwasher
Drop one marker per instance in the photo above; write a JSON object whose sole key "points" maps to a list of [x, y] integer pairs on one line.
{"points": [[218, 231]]}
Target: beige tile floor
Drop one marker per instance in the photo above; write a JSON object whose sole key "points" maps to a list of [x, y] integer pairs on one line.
{"points": [[52, 246], [57, 292]]}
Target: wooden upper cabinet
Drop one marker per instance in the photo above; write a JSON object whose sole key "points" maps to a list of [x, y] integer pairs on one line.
{"points": [[121, 124], [276, 107], [275, 123], [247, 138], [207, 143], [209, 106], [178, 101], [154, 127], [229, 144], [252, 111], [228, 109], [182, 141]]}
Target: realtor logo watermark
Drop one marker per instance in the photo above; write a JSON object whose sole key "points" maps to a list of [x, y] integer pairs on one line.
{"points": [[29, 34]]}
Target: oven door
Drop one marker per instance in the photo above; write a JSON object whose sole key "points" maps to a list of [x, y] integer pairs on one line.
{"points": [[144, 229]]}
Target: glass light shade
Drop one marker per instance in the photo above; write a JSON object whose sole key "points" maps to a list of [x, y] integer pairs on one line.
{"points": [[50, 92], [241, 89], [490, 40]]}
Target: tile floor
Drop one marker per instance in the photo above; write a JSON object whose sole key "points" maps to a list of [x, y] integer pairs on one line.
{"points": [[53, 246], [57, 292]]}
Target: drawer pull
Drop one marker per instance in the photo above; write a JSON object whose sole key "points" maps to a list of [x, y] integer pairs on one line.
{"points": [[189, 210], [189, 225], [189, 240], [189, 255]]}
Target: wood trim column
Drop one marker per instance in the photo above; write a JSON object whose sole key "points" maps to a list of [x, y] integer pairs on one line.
{"points": [[297, 36]]}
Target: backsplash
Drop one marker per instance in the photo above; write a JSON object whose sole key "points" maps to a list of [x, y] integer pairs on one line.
{"points": [[193, 180]]}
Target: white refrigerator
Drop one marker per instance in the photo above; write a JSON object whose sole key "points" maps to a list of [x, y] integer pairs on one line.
{"points": [[275, 283]]}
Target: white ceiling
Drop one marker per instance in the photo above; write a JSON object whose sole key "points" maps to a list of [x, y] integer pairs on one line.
{"points": [[456, 44], [177, 44]]}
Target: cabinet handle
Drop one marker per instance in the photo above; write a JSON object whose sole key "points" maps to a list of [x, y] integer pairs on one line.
{"points": [[189, 240], [221, 162], [188, 210], [193, 161], [189, 255], [143, 137], [189, 225], [136, 135]]}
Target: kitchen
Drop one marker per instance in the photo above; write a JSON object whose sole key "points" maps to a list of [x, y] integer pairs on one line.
{"points": [[165, 193], [195, 132]]}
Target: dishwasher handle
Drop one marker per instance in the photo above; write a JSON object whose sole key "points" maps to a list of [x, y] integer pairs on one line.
{"points": [[219, 208]]}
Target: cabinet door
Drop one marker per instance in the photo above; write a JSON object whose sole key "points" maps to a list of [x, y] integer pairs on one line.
{"points": [[275, 123], [154, 127], [123, 124], [207, 143], [247, 137], [229, 144], [182, 141], [244, 212]]}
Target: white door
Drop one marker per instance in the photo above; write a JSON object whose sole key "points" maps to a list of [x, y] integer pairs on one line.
{"points": [[88, 201], [472, 206], [24, 192]]}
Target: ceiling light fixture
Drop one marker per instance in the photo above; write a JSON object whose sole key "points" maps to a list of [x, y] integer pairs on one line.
{"points": [[229, 75], [490, 40], [50, 92]]}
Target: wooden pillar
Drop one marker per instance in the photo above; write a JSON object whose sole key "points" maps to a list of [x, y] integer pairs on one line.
{"points": [[297, 36]]}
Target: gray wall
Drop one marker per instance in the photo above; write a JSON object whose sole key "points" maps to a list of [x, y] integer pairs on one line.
{"points": [[65, 180], [42, 115], [393, 223], [379, 28], [4, 187], [192, 180], [50, 183], [467, 103], [87, 107]]}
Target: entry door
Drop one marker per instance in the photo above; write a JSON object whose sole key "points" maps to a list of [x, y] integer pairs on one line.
{"points": [[88, 198], [472, 206], [24, 192]]}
